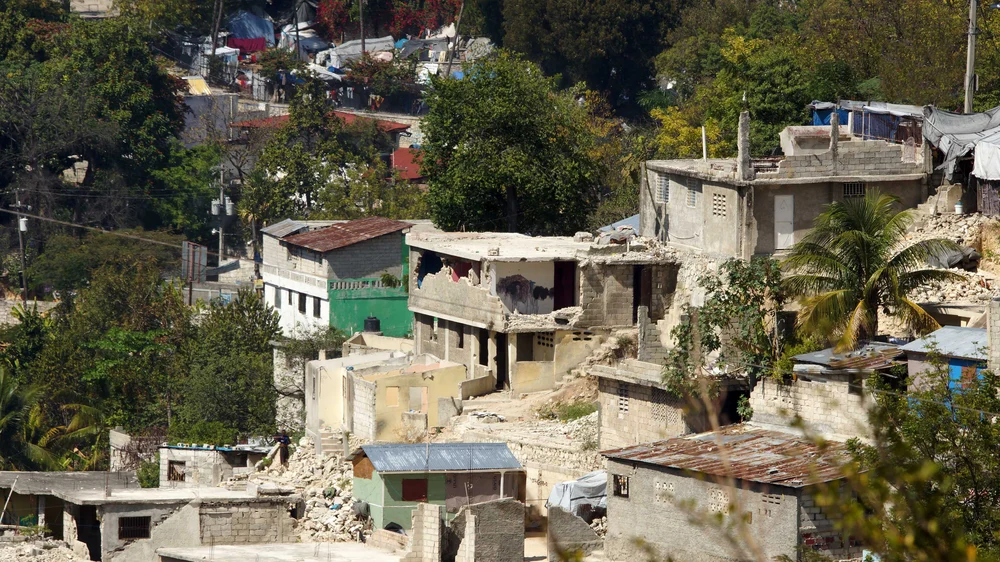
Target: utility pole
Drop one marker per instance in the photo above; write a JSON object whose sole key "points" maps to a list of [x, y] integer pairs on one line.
{"points": [[361, 18], [454, 50], [22, 227], [970, 62], [222, 213]]}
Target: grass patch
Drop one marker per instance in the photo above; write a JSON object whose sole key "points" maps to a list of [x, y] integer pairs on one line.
{"points": [[567, 411]]}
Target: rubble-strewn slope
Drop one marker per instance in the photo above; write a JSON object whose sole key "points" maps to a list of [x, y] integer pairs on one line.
{"points": [[41, 550]]}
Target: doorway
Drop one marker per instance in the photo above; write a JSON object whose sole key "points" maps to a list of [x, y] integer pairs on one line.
{"points": [[784, 221], [501, 361], [564, 288]]}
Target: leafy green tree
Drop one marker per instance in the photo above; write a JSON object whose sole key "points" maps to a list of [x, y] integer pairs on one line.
{"points": [[186, 186], [855, 263], [231, 379], [738, 320], [608, 44], [505, 150]]}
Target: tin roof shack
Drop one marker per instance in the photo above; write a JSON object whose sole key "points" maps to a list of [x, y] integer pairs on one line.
{"points": [[635, 406], [192, 466], [320, 274], [827, 390], [393, 478], [961, 352], [519, 311], [742, 207], [764, 478]]}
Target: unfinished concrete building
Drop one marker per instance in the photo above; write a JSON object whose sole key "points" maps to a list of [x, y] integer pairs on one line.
{"points": [[521, 312], [191, 466], [763, 480], [744, 207], [106, 516]]}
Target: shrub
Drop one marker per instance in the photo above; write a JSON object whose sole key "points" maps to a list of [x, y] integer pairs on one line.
{"points": [[149, 473], [567, 411], [202, 432]]}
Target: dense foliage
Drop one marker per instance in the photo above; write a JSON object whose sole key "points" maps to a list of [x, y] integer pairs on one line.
{"points": [[854, 264], [505, 150]]}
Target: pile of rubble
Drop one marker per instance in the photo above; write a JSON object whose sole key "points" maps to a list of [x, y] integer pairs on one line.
{"points": [[583, 430], [37, 550], [325, 484], [975, 287], [961, 229], [600, 525]]}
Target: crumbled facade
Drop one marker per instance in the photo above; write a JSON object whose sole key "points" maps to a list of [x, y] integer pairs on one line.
{"points": [[636, 406], [742, 207], [194, 465], [520, 312]]}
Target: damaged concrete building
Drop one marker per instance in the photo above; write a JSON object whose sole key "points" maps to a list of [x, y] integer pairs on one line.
{"points": [[764, 480], [106, 516], [521, 312], [747, 206]]}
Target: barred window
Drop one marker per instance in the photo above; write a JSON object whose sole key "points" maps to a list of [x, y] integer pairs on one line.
{"points": [[719, 205], [133, 528], [660, 399], [693, 189], [621, 485], [854, 189], [662, 188]]}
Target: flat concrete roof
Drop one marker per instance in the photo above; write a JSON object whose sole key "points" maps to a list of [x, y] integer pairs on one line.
{"points": [[723, 170], [476, 246], [282, 552], [163, 496], [55, 483]]}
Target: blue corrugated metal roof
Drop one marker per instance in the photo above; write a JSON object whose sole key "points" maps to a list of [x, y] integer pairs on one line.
{"points": [[632, 221], [952, 341], [284, 228], [439, 457]]}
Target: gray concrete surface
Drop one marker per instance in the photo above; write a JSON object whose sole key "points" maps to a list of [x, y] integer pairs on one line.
{"points": [[299, 552]]}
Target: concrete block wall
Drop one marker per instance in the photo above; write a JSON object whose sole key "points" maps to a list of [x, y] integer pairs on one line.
{"points": [[201, 467], [370, 258], [651, 348], [606, 295], [644, 414], [492, 530], [867, 158], [364, 408], [827, 406], [818, 532], [993, 335], [388, 540], [467, 548], [425, 534], [258, 522]]}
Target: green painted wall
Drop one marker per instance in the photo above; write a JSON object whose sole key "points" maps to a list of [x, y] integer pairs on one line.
{"points": [[350, 307], [395, 510]]}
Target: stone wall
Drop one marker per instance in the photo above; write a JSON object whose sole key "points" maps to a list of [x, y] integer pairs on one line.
{"points": [[425, 534], [829, 405], [993, 334], [818, 532], [252, 522], [7, 309]]}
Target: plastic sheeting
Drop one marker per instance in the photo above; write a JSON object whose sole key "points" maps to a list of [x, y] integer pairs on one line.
{"points": [[245, 25], [307, 39], [987, 164], [347, 51], [956, 135], [590, 489]]}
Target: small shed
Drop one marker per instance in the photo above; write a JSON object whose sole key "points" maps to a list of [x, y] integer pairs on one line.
{"points": [[959, 350], [393, 478]]}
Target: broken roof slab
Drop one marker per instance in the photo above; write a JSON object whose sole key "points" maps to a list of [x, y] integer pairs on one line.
{"points": [[282, 552]]}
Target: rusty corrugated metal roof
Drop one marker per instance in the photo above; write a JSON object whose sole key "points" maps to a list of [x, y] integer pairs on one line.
{"points": [[744, 453], [344, 234], [869, 357]]}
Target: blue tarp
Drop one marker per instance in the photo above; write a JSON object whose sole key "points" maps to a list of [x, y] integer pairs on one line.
{"points": [[401, 42], [245, 25]]}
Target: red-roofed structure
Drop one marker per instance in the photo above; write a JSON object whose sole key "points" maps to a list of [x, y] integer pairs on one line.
{"points": [[348, 118], [344, 234], [407, 160]]}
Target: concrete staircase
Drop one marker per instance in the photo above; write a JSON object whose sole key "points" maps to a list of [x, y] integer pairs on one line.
{"points": [[331, 442]]}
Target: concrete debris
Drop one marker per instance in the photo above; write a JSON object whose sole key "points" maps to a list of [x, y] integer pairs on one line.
{"points": [[488, 417], [600, 526], [37, 550], [583, 430], [961, 229], [326, 485]]}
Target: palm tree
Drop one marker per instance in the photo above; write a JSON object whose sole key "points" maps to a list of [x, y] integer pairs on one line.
{"points": [[855, 263], [22, 438]]}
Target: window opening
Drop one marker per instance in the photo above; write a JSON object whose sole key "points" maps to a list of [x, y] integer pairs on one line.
{"points": [[854, 189], [133, 528], [175, 471], [621, 485]]}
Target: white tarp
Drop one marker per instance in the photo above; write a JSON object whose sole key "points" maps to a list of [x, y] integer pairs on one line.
{"points": [[347, 51], [956, 135], [987, 163], [589, 489]]}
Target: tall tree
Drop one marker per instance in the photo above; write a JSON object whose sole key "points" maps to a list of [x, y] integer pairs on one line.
{"points": [[504, 149], [855, 264]]}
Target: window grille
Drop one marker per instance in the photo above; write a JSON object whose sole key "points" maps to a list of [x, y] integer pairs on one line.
{"points": [[622, 399], [854, 189], [133, 528], [545, 339], [693, 188], [662, 188], [621, 485]]}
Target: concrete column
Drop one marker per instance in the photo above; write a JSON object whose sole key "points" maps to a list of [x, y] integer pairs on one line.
{"points": [[834, 139], [41, 510], [993, 334], [744, 169]]}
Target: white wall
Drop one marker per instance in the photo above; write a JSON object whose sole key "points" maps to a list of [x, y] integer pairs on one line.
{"points": [[542, 274]]}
